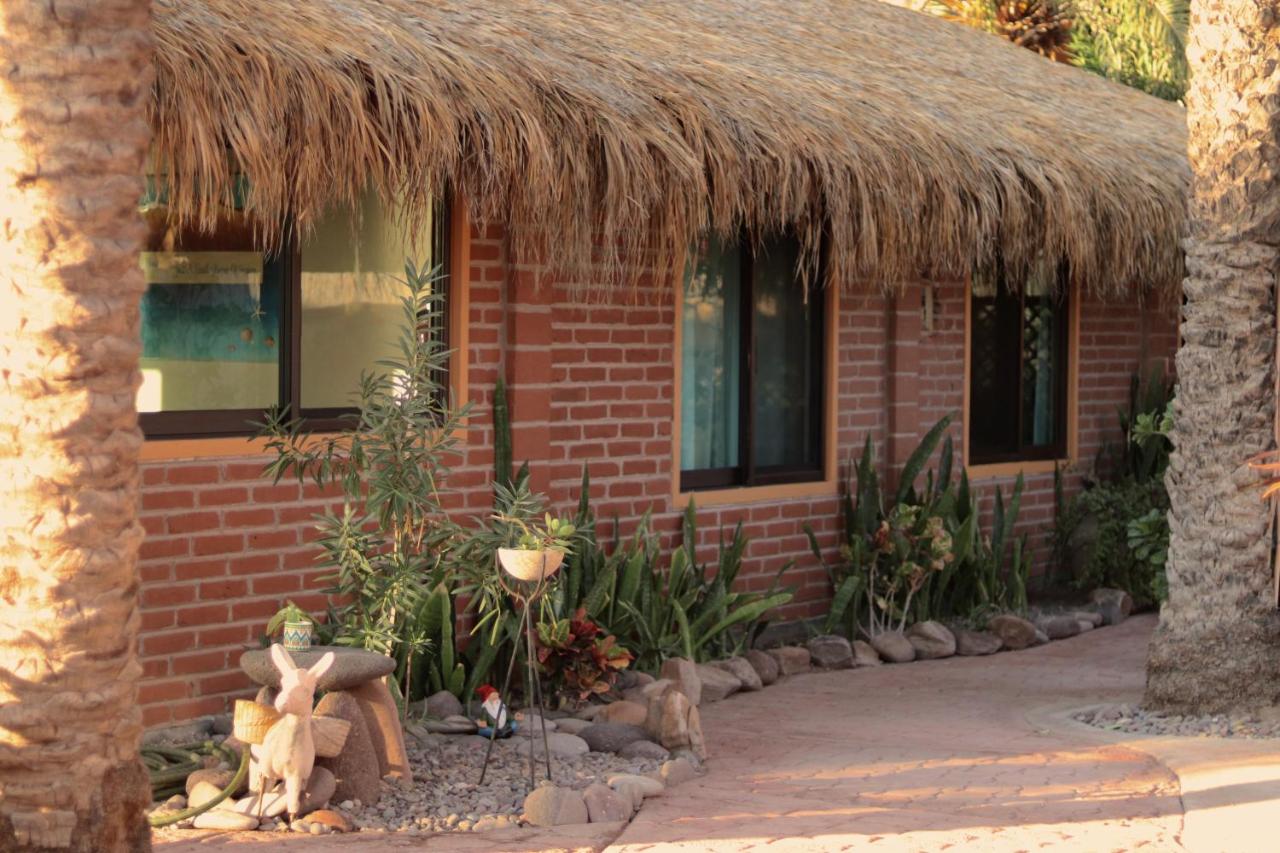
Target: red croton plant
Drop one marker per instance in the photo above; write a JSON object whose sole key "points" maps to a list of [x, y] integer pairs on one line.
{"points": [[574, 652]]}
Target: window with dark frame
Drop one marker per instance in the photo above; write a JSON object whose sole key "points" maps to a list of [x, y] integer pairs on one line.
{"points": [[1019, 340], [752, 368], [229, 332]]}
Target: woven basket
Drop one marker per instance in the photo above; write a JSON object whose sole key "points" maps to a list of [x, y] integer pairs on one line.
{"points": [[252, 720]]}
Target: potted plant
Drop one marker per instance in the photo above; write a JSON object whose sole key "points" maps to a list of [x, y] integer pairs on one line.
{"points": [[296, 626], [537, 551]]}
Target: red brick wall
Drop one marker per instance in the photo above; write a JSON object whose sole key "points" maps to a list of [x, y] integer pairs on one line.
{"points": [[589, 383]]}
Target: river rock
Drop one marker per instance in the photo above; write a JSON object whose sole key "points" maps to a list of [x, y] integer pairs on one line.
{"points": [[644, 749], [442, 704], [683, 674], [717, 683], [970, 643], [611, 737], [336, 821], [677, 771], [830, 651], [864, 654], [1114, 605], [456, 724], [932, 640], [1058, 627], [791, 659], [765, 665], [739, 668], [894, 647], [571, 725], [647, 785], [605, 805], [1041, 637], [202, 792], [356, 767], [351, 667], [625, 711], [1085, 625], [1093, 617], [224, 820], [219, 779], [550, 805], [561, 745], [1014, 632], [320, 790]]}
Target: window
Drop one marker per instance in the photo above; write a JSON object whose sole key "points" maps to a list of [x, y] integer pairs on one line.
{"points": [[1018, 368], [228, 332], [752, 350]]}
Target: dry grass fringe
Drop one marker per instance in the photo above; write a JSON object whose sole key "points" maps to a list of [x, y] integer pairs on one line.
{"points": [[906, 145]]}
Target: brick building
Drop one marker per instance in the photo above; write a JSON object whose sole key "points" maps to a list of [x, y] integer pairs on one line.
{"points": [[742, 372]]}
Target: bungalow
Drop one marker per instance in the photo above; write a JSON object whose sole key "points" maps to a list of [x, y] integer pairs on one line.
{"points": [[710, 245]]}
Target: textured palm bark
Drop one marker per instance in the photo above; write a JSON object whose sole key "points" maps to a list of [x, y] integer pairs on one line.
{"points": [[73, 138], [1218, 644]]}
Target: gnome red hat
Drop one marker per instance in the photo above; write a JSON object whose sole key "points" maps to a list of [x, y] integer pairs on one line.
{"points": [[484, 691]]}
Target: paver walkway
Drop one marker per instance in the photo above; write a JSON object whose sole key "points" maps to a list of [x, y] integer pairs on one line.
{"points": [[960, 754]]}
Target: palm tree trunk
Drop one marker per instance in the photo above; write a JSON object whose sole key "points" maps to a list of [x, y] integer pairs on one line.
{"points": [[73, 138], [1218, 644]]}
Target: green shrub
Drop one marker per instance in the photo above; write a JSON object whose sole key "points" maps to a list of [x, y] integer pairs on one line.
{"points": [[388, 546], [1109, 559], [924, 557]]}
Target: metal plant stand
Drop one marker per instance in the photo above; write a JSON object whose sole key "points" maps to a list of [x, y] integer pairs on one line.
{"points": [[526, 592]]}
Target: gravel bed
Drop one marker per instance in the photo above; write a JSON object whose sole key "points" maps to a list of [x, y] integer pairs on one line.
{"points": [[1131, 718], [446, 795]]}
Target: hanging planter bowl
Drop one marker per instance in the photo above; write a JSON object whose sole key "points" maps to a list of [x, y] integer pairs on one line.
{"points": [[530, 566]]}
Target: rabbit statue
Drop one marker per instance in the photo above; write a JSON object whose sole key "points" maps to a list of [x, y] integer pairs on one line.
{"points": [[288, 752]]}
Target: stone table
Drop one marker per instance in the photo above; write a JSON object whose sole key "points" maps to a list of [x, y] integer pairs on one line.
{"points": [[360, 674]]}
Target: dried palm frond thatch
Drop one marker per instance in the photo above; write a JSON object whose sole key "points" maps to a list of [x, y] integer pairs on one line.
{"points": [[908, 145]]}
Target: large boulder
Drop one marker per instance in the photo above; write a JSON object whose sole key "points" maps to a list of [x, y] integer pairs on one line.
{"points": [[717, 683], [894, 647], [1058, 627], [550, 805], [830, 651], [739, 668], [683, 675], [611, 737], [970, 643], [356, 767], [931, 640], [791, 659], [1115, 605], [605, 805], [765, 665], [674, 722], [351, 667], [1014, 632], [864, 654]]}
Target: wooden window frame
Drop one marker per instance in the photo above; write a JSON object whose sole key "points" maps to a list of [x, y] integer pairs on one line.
{"points": [[1067, 449], [716, 485], [238, 423]]}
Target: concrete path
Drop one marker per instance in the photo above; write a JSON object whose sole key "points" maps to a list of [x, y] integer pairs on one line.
{"points": [[961, 754]]}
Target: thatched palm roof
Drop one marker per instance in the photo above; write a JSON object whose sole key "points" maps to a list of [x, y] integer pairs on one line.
{"points": [[915, 145]]}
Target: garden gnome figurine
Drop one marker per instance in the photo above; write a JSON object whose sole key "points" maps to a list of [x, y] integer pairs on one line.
{"points": [[495, 721]]}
